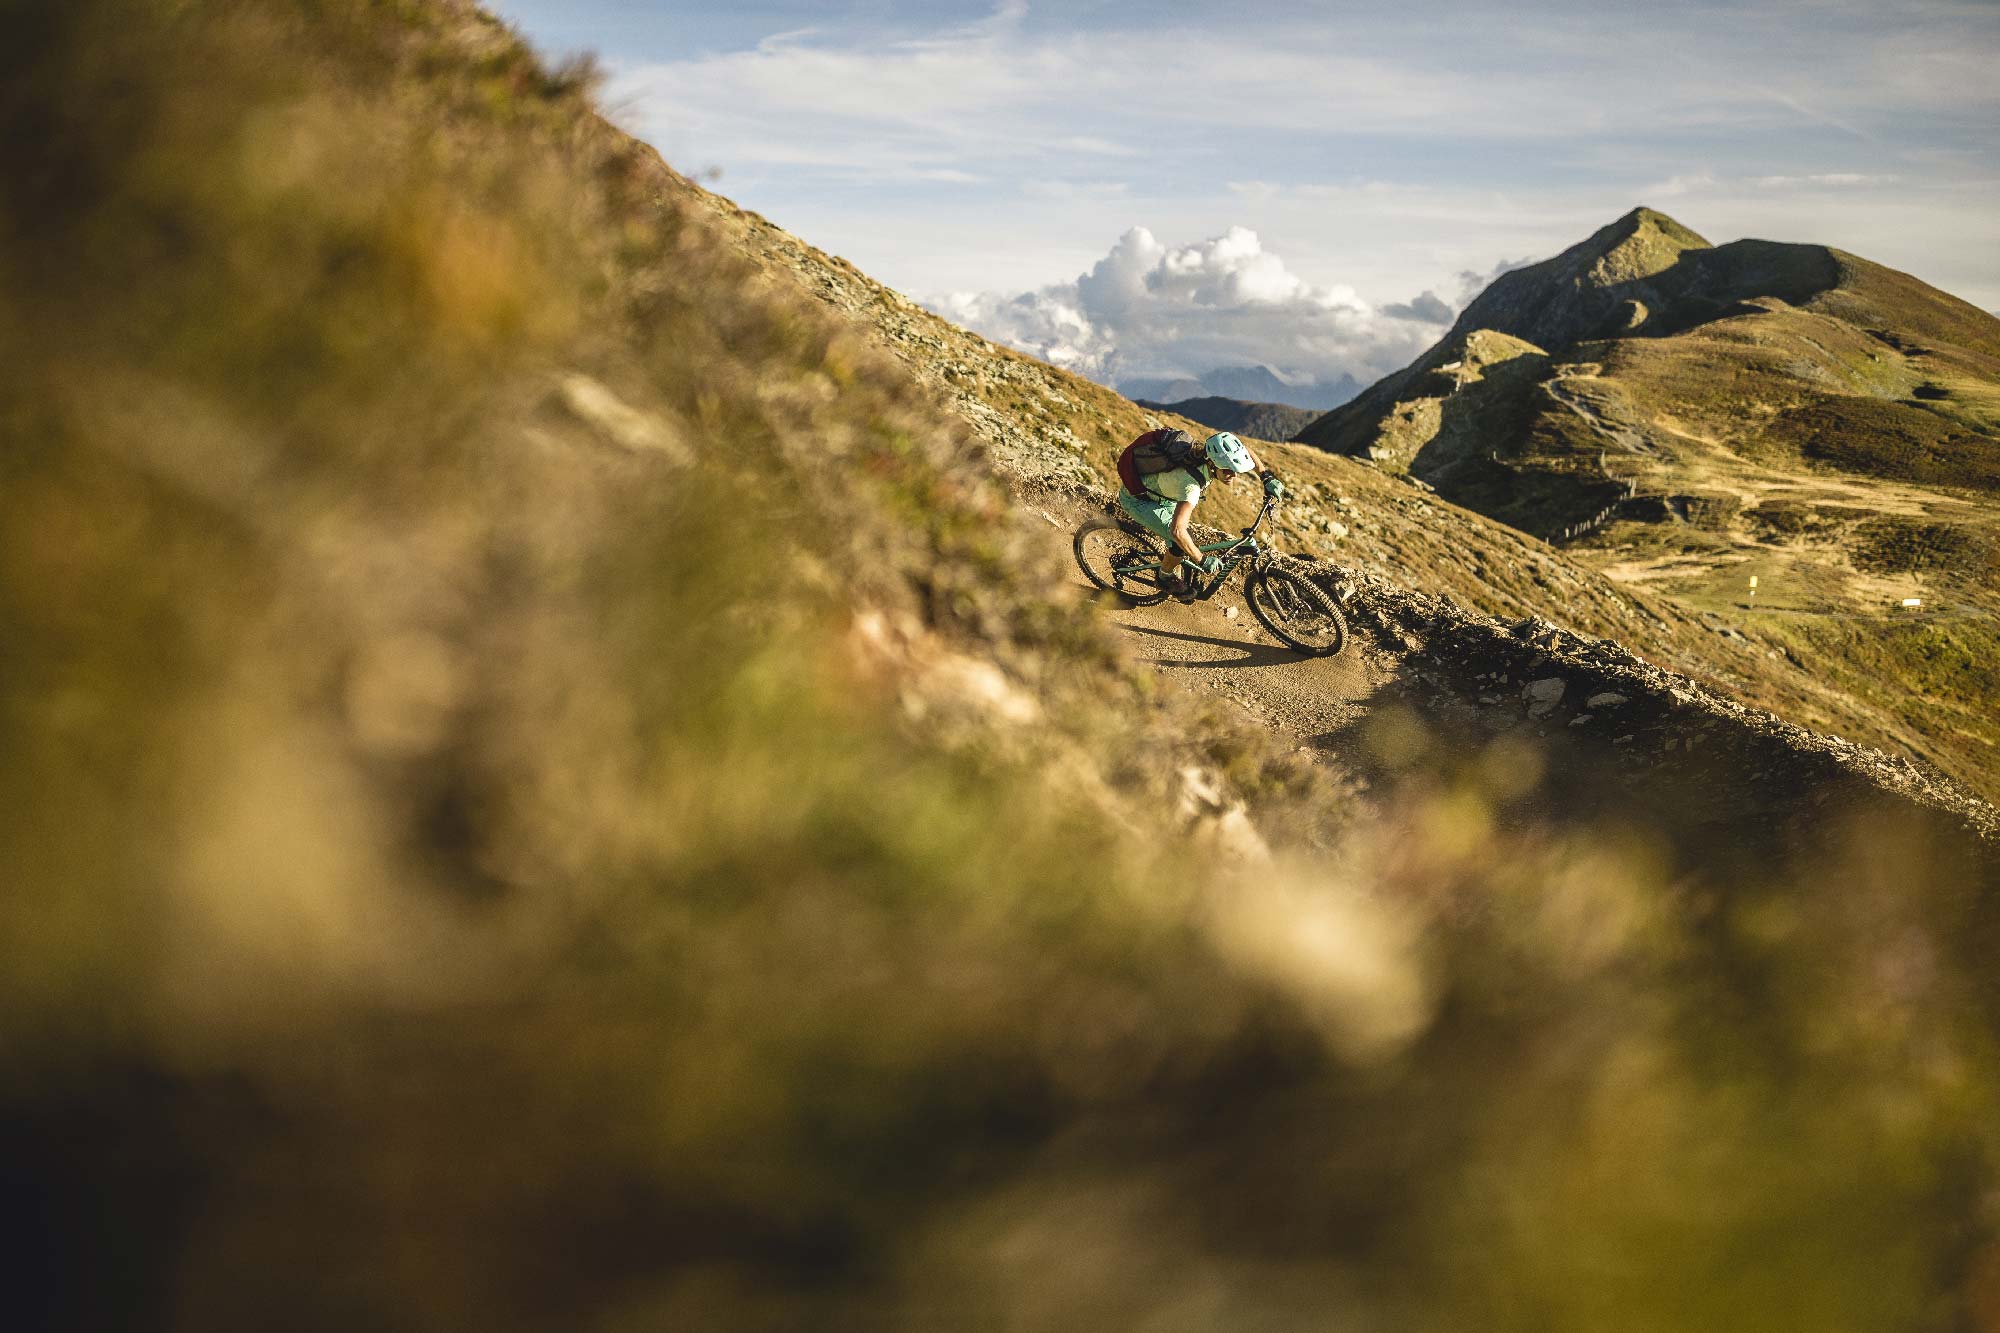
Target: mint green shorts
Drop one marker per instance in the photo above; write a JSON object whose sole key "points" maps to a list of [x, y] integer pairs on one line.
{"points": [[1156, 516]]}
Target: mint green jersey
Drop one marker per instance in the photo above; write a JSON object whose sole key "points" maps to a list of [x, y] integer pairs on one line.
{"points": [[1178, 484]]}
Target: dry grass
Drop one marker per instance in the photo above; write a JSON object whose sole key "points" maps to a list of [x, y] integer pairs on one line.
{"points": [[1893, 441]]}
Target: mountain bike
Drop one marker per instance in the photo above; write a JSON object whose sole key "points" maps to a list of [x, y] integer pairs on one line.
{"points": [[1120, 556]]}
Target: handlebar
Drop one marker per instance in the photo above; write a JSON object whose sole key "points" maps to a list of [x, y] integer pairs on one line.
{"points": [[1270, 503]]}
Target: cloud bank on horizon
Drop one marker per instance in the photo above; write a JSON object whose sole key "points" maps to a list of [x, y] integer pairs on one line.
{"points": [[990, 149], [1147, 309]]}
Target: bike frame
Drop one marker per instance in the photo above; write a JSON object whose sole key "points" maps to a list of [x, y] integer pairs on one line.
{"points": [[1230, 561]]}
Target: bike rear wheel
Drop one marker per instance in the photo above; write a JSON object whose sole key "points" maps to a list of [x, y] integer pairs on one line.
{"points": [[1302, 614], [1120, 560]]}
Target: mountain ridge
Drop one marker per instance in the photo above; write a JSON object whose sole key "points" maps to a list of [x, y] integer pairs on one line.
{"points": [[1256, 384], [1265, 421], [1684, 415]]}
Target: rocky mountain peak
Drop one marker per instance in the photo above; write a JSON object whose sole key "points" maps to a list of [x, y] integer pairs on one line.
{"points": [[1639, 244], [1596, 287]]}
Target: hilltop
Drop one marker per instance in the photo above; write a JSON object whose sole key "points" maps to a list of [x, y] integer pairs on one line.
{"points": [[1265, 421], [560, 776], [1684, 416]]}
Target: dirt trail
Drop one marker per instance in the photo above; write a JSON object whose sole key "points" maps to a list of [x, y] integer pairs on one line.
{"points": [[1653, 735], [1204, 646], [1562, 390]]}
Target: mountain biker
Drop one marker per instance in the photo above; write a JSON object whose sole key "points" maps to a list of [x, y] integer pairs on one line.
{"points": [[1163, 475]]}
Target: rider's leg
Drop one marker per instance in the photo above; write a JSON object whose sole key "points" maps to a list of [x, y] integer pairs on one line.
{"points": [[1176, 575], [1156, 517]]}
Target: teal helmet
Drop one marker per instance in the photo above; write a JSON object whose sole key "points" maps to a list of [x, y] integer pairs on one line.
{"points": [[1227, 452]]}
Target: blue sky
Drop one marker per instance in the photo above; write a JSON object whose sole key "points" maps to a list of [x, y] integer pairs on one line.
{"points": [[984, 156]]}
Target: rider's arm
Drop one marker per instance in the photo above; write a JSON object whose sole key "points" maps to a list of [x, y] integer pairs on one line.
{"points": [[1182, 537], [1262, 471]]}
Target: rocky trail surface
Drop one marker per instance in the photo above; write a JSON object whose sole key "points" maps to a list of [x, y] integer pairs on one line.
{"points": [[1471, 681], [1217, 645]]}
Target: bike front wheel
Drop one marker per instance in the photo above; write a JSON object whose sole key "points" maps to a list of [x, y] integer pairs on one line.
{"points": [[1120, 561], [1302, 614]]}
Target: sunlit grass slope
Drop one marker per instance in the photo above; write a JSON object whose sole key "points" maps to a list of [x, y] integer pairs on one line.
{"points": [[543, 788], [1685, 418]]}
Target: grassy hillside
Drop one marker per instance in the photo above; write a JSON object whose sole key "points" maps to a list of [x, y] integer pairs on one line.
{"points": [[1684, 417], [549, 784]]}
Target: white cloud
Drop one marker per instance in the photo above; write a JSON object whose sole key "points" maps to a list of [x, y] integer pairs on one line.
{"points": [[1391, 147], [1147, 308], [1427, 307], [870, 104], [1674, 187], [1076, 189], [859, 97], [1471, 282], [1838, 180], [1708, 182]]}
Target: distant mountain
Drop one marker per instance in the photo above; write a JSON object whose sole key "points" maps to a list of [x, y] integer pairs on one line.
{"points": [[1645, 351], [1687, 416], [1252, 384], [1263, 421]]}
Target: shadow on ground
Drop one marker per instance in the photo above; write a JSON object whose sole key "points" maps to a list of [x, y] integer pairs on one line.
{"points": [[1252, 654]]}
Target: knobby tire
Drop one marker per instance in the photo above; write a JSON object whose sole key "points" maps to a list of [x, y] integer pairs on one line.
{"points": [[1302, 614], [1102, 541]]}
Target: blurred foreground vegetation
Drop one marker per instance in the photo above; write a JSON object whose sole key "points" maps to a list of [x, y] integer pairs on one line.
{"points": [[543, 788]]}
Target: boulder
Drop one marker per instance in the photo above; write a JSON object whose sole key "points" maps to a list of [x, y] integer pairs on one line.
{"points": [[1543, 695]]}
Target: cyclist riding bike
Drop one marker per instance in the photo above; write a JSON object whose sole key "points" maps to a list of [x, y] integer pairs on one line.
{"points": [[1163, 475]]}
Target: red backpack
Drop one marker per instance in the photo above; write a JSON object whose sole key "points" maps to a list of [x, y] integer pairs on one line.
{"points": [[1155, 452]]}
